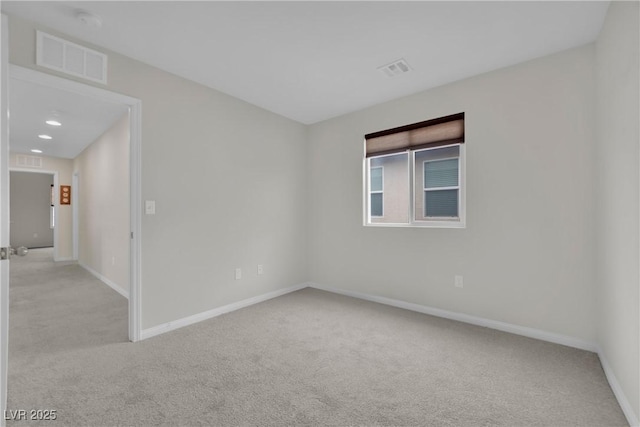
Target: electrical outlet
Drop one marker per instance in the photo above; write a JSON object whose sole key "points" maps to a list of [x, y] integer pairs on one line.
{"points": [[458, 281], [260, 269], [238, 273], [113, 260]]}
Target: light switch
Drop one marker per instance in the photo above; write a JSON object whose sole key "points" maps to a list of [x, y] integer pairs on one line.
{"points": [[150, 207]]}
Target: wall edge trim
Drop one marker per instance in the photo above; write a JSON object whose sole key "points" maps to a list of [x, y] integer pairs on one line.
{"points": [[209, 314], [104, 280], [466, 318], [624, 403], [626, 407]]}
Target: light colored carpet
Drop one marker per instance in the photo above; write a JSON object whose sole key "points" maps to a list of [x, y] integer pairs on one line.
{"points": [[306, 358]]}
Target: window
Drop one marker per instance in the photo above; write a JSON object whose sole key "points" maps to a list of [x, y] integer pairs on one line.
{"points": [[438, 192], [389, 205], [376, 191], [415, 175]]}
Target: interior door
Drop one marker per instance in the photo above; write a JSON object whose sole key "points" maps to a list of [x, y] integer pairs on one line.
{"points": [[4, 216]]}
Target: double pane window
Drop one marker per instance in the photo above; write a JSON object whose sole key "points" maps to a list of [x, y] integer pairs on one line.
{"points": [[416, 184], [377, 191], [439, 172]]}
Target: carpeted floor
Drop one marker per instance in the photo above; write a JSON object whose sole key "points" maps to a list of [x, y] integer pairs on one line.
{"points": [[306, 358]]}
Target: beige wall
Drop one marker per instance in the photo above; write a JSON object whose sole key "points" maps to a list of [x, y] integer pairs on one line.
{"points": [[618, 196], [527, 251], [231, 186], [103, 205], [30, 206], [229, 180], [64, 222]]}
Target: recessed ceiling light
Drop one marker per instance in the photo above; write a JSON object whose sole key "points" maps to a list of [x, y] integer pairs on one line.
{"points": [[53, 123], [44, 136], [35, 150]]}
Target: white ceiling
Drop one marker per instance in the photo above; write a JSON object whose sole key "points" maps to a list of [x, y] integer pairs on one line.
{"points": [[310, 61], [83, 119]]}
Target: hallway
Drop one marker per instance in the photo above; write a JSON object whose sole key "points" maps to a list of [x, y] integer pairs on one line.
{"points": [[67, 315]]}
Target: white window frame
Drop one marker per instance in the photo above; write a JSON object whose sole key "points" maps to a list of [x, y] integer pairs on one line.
{"points": [[425, 189], [436, 222], [376, 191]]}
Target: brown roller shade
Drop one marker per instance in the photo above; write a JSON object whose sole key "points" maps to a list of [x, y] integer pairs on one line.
{"points": [[430, 133]]}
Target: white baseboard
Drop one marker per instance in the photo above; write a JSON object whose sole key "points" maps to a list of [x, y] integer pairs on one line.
{"points": [[474, 320], [106, 281], [627, 409], [186, 321], [632, 417]]}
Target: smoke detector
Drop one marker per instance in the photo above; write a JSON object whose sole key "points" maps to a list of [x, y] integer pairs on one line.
{"points": [[395, 68], [89, 19]]}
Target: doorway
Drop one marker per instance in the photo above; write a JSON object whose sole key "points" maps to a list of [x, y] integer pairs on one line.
{"points": [[32, 209], [73, 247]]}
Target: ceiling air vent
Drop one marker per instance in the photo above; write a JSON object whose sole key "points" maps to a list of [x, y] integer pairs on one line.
{"points": [[29, 161], [70, 58], [395, 68]]}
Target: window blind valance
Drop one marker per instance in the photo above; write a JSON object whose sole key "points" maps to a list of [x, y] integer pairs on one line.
{"points": [[430, 133]]}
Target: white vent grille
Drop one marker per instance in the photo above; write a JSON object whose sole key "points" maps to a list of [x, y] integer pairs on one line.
{"points": [[395, 68], [70, 58], [29, 161]]}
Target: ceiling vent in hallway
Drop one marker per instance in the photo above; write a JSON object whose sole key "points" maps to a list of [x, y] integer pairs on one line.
{"points": [[395, 68], [70, 58], [29, 161]]}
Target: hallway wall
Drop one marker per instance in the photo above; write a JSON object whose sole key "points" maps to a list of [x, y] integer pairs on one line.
{"points": [[103, 204]]}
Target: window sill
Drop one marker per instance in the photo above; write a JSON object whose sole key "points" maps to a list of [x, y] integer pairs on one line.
{"points": [[425, 224]]}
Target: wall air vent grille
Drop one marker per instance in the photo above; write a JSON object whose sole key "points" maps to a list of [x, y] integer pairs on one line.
{"points": [[70, 58], [29, 161], [395, 68]]}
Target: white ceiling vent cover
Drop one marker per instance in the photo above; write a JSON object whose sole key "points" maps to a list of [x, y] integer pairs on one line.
{"points": [[395, 68], [29, 161], [70, 58]]}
